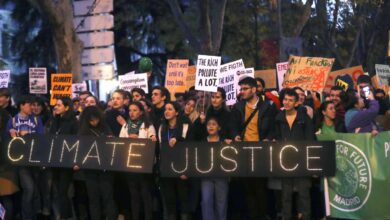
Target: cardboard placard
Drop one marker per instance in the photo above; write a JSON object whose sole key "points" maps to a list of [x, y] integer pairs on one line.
{"points": [[190, 79], [269, 77], [281, 69], [309, 73], [61, 85], [175, 77], [129, 81], [207, 69], [38, 80], [354, 72], [383, 73]]}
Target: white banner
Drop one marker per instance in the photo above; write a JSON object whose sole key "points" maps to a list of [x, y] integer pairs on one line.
{"points": [[93, 23], [383, 73], [98, 72], [77, 88], [206, 76], [226, 79], [281, 69], [88, 7], [130, 81], [99, 55], [38, 80], [97, 39], [4, 78]]}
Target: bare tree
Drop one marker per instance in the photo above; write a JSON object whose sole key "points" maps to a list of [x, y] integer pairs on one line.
{"points": [[68, 47]]}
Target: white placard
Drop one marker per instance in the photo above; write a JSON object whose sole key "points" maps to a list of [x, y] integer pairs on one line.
{"points": [[98, 72], [130, 81], [38, 80], [87, 7], [93, 23], [99, 55], [77, 88], [206, 76], [4, 78], [281, 69], [97, 39], [226, 79], [383, 73], [130, 73]]}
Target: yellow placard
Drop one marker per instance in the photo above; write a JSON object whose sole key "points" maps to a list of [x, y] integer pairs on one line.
{"points": [[354, 72], [190, 79], [175, 78], [61, 85]]}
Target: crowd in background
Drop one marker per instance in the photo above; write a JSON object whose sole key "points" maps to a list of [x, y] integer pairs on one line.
{"points": [[258, 115]]}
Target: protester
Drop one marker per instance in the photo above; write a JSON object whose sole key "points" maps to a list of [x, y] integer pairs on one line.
{"points": [[99, 183], [64, 122], [301, 102], [5, 102], [160, 96], [214, 190], [327, 122], [171, 131], [293, 125], [337, 96], [40, 110], [22, 124], [117, 116], [138, 94], [190, 109], [91, 101], [82, 96]]}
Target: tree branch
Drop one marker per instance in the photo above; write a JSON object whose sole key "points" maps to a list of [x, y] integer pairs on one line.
{"points": [[49, 9], [218, 14], [179, 18], [305, 17]]}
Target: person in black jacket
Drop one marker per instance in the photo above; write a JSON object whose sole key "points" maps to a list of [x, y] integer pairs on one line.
{"points": [[118, 115], [293, 125], [253, 120], [99, 183], [64, 122], [171, 131], [218, 110]]}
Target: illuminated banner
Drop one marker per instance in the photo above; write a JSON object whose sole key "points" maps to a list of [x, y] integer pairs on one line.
{"points": [[87, 152], [249, 159]]}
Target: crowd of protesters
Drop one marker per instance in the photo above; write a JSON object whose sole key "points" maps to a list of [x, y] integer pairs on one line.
{"points": [[258, 115]]}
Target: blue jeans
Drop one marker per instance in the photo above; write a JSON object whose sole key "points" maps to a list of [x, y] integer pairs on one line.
{"points": [[28, 177], [214, 188]]}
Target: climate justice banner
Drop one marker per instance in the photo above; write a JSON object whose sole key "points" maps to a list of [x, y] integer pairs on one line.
{"points": [[309, 73], [248, 159], [87, 152], [360, 188]]}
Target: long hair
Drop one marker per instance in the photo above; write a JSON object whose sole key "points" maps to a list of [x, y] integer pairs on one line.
{"points": [[89, 113], [320, 116], [145, 115]]}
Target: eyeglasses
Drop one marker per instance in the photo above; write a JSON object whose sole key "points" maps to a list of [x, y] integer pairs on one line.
{"points": [[244, 88]]}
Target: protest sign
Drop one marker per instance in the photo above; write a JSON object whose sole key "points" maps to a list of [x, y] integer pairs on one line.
{"points": [[269, 77], [77, 88], [128, 82], [190, 79], [87, 152], [309, 73], [354, 72], [362, 182], [207, 69], [4, 78], [38, 80], [248, 159], [281, 69], [61, 85], [383, 73], [175, 77], [227, 79]]}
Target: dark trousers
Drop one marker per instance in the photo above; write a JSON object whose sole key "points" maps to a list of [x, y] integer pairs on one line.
{"points": [[256, 197], [62, 179], [302, 185], [173, 189], [140, 187], [101, 195], [28, 177]]}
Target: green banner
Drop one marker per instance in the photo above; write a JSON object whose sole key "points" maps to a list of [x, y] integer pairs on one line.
{"points": [[361, 187]]}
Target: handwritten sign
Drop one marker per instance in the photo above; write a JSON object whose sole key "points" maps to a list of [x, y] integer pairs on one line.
{"points": [[281, 69], [227, 79], [61, 85], [207, 69], [249, 159], [87, 152], [383, 72], [190, 79], [4, 78], [78, 87], [38, 80], [175, 76], [128, 82], [309, 73], [269, 77], [354, 72]]}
